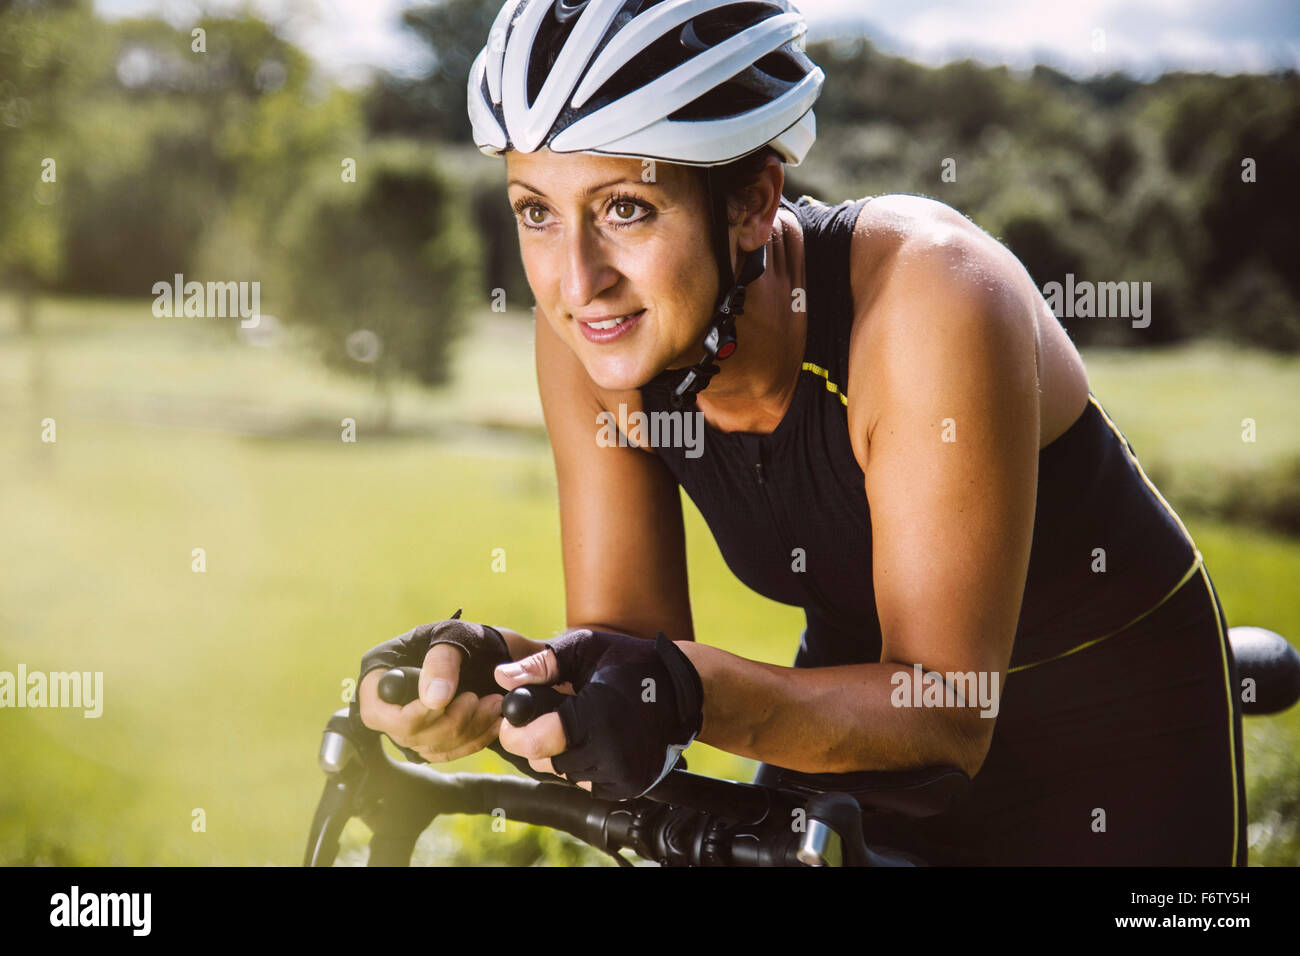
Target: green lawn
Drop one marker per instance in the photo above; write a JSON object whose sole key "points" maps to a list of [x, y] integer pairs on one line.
{"points": [[1184, 407], [173, 437]]}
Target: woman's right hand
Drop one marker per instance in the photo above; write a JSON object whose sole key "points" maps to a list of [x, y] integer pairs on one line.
{"points": [[440, 725]]}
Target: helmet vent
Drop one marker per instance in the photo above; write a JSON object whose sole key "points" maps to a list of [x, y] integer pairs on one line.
{"points": [[566, 10], [715, 26], [658, 58], [552, 34], [781, 66]]}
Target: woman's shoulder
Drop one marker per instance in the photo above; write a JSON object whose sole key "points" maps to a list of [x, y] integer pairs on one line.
{"points": [[910, 211], [927, 282], [919, 223], [900, 238]]}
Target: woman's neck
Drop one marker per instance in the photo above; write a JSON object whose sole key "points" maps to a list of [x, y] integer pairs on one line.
{"points": [[754, 388]]}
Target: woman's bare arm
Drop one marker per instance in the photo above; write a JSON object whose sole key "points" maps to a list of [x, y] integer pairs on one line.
{"points": [[951, 353], [620, 509]]}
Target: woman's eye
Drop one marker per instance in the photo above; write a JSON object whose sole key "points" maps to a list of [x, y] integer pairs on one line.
{"points": [[625, 211], [534, 215]]}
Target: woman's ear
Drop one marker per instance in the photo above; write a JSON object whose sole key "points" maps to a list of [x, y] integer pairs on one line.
{"points": [[762, 200]]}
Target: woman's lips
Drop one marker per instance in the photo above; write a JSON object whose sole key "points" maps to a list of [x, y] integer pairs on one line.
{"points": [[602, 336]]}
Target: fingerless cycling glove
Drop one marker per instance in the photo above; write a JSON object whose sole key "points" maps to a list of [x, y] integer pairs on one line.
{"points": [[483, 648], [638, 705]]}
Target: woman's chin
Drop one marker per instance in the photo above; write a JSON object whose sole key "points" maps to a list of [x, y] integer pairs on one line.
{"points": [[619, 377]]}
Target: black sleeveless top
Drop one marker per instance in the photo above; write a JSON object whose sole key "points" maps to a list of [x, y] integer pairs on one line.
{"points": [[801, 487]]}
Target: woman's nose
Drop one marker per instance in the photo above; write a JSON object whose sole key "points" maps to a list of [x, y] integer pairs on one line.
{"points": [[587, 272]]}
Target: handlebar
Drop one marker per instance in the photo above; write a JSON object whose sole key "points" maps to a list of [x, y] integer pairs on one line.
{"points": [[687, 820], [523, 705]]}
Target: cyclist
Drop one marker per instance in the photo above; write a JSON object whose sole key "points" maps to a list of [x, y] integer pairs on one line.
{"points": [[898, 437]]}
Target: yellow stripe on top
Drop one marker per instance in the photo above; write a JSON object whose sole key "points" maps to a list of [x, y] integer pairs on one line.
{"points": [[1227, 683], [1222, 626], [1128, 449], [1198, 565], [830, 386]]}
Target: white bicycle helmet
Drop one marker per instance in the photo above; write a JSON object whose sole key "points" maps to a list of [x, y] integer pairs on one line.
{"points": [[700, 82], [697, 82]]}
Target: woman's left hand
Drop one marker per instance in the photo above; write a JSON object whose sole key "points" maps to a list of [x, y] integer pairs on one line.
{"points": [[635, 705]]}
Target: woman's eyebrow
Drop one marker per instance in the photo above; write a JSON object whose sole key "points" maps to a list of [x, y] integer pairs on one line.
{"points": [[587, 192]]}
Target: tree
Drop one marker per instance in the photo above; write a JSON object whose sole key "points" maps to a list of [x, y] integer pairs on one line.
{"points": [[385, 267], [47, 54], [433, 106]]}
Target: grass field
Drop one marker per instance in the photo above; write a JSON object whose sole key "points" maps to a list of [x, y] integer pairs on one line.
{"points": [[174, 435], [1183, 408]]}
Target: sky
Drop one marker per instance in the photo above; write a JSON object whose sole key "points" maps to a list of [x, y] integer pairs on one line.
{"points": [[349, 38]]}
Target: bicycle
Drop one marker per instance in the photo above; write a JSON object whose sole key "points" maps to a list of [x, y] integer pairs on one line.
{"points": [[687, 819]]}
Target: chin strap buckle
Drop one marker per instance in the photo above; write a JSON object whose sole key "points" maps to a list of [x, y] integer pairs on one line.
{"points": [[720, 340]]}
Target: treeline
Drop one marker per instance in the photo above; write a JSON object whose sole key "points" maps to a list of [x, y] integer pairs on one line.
{"points": [[1184, 182], [134, 150], [1108, 179]]}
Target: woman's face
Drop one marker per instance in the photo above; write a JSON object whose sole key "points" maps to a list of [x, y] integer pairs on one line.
{"points": [[600, 242]]}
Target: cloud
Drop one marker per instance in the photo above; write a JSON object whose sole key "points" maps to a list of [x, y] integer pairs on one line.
{"points": [[1145, 37]]}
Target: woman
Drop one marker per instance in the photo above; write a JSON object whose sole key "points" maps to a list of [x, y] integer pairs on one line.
{"points": [[898, 436]]}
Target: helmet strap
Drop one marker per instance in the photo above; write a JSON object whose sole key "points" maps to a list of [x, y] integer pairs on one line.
{"points": [[720, 337]]}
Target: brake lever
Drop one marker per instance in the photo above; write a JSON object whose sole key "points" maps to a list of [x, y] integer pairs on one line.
{"points": [[833, 836], [341, 758]]}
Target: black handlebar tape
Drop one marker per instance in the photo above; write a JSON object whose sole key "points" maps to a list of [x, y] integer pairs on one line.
{"points": [[400, 686], [523, 705]]}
